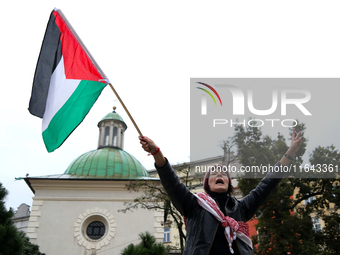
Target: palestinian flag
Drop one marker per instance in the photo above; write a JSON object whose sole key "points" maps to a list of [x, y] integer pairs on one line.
{"points": [[67, 82]]}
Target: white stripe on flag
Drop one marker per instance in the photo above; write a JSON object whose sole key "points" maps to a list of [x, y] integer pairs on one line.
{"points": [[59, 92]]}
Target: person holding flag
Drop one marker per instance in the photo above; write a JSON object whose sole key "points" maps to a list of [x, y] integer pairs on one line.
{"points": [[216, 221]]}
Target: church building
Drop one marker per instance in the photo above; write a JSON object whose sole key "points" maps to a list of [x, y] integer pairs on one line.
{"points": [[76, 212]]}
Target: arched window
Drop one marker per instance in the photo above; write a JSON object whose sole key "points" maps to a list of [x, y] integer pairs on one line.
{"points": [[115, 137], [107, 136], [121, 138]]}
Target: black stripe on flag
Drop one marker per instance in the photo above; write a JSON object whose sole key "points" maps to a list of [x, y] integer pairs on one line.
{"points": [[49, 57]]}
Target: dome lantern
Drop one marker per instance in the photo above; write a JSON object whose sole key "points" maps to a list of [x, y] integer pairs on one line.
{"points": [[111, 131], [109, 161]]}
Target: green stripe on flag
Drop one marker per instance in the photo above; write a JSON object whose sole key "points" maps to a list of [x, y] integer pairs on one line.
{"points": [[72, 113]]}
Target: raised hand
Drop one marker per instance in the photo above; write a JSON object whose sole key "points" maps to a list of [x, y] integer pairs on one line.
{"points": [[295, 143], [147, 144]]}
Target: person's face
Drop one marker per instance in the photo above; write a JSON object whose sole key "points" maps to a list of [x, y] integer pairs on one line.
{"points": [[218, 180]]}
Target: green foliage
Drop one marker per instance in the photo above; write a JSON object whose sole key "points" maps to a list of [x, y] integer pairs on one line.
{"points": [[285, 221], [147, 246], [30, 248], [13, 241]]}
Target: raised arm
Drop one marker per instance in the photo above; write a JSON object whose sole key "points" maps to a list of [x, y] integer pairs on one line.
{"points": [[257, 196], [179, 194], [294, 147]]}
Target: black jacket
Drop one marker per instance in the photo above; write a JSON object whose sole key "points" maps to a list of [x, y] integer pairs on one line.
{"points": [[201, 225]]}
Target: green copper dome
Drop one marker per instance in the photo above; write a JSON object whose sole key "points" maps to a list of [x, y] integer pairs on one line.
{"points": [[107, 163]]}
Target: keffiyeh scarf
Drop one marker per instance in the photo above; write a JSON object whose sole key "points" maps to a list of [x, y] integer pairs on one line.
{"points": [[232, 227]]}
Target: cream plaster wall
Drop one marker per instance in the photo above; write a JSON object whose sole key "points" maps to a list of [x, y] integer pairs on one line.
{"points": [[60, 205]]}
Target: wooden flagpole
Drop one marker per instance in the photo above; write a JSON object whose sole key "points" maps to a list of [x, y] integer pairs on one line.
{"points": [[120, 100]]}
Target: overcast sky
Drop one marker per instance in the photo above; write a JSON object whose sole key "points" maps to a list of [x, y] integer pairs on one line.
{"points": [[149, 50]]}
